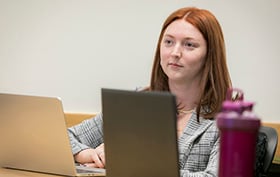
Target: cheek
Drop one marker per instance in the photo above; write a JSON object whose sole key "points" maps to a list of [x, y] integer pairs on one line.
{"points": [[163, 60], [196, 57], [164, 53], [200, 63], [194, 61]]}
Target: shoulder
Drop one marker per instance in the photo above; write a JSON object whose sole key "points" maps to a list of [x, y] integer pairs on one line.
{"points": [[205, 128], [211, 132], [210, 126], [202, 124]]}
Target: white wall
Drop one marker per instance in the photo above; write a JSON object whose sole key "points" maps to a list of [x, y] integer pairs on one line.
{"points": [[72, 48]]}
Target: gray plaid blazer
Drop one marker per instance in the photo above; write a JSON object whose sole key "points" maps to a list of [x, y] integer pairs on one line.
{"points": [[198, 146]]}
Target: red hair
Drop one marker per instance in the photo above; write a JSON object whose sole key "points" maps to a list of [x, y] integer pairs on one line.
{"points": [[215, 78]]}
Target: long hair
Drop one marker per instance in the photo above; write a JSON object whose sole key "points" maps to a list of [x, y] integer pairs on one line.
{"points": [[215, 75]]}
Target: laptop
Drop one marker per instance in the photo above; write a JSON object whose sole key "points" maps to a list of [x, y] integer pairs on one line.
{"points": [[34, 137], [140, 133]]}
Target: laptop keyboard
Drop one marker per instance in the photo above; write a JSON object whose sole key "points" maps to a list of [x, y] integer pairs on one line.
{"points": [[83, 169]]}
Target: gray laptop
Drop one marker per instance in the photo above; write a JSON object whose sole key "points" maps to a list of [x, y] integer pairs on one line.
{"points": [[140, 134], [34, 137]]}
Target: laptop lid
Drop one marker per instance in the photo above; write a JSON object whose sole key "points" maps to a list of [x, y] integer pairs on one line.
{"points": [[140, 133], [33, 135]]}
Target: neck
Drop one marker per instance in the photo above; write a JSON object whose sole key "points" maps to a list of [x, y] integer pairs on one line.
{"points": [[187, 94]]}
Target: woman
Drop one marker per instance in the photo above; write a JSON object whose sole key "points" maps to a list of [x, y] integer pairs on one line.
{"points": [[190, 62]]}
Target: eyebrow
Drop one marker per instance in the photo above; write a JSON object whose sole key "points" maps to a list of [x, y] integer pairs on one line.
{"points": [[186, 38]]}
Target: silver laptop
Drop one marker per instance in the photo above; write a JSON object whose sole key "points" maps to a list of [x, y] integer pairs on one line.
{"points": [[140, 133], [33, 136]]}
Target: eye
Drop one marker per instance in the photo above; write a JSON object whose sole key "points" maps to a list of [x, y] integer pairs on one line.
{"points": [[189, 44], [168, 42]]}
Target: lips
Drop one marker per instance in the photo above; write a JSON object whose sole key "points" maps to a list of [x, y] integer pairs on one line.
{"points": [[175, 65]]}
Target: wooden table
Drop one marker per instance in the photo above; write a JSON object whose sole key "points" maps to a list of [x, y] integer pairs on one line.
{"points": [[4, 172]]}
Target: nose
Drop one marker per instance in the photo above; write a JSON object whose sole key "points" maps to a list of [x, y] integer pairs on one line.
{"points": [[177, 51]]}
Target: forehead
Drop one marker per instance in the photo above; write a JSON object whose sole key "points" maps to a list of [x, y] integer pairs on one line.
{"points": [[183, 29]]}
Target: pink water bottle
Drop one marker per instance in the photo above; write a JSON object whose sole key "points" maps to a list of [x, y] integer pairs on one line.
{"points": [[238, 127]]}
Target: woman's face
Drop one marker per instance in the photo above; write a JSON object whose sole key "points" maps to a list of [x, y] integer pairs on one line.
{"points": [[182, 50]]}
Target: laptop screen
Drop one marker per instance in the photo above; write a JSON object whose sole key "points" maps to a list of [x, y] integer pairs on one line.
{"points": [[140, 133]]}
